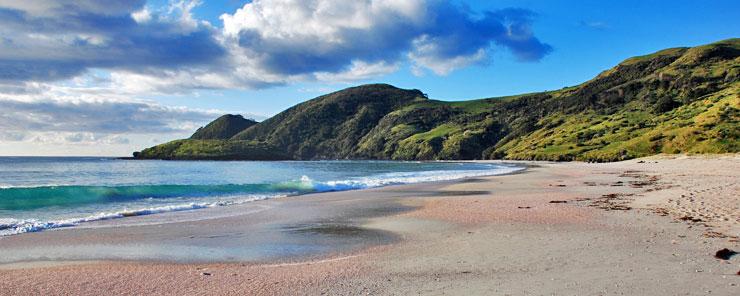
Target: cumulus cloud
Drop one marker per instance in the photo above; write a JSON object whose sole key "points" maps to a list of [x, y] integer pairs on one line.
{"points": [[53, 40], [358, 70], [262, 44], [292, 37]]}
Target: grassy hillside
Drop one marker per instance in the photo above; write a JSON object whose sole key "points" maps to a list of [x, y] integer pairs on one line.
{"points": [[223, 128], [329, 126], [679, 100], [189, 149]]}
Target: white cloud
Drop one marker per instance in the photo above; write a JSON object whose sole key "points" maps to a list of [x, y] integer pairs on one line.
{"points": [[99, 116], [276, 42], [45, 8], [58, 40], [358, 70], [142, 16], [86, 113], [423, 57], [262, 44], [319, 20], [293, 37]]}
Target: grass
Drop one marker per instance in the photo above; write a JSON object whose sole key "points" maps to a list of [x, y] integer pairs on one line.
{"points": [[212, 149], [679, 100], [705, 126]]}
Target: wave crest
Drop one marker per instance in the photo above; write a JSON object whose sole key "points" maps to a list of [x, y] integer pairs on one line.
{"points": [[30, 198]]}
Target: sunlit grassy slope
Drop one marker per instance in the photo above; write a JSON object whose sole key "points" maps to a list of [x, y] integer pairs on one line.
{"points": [[679, 100]]}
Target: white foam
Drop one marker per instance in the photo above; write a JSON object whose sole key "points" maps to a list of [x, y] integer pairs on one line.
{"points": [[9, 226], [405, 178]]}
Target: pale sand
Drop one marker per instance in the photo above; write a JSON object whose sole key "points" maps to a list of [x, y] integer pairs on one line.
{"points": [[705, 188], [488, 236]]}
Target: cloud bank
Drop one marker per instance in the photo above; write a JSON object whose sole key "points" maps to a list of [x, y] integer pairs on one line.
{"points": [[306, 37], [104, 117], [264, 43], [54, 40], [107, 122]]}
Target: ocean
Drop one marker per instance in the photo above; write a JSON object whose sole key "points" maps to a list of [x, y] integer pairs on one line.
{"points": [[38, 193]]}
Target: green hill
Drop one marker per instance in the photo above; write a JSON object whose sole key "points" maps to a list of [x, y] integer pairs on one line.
{"points": [[223, 128], [679, 100], [330, 126]]}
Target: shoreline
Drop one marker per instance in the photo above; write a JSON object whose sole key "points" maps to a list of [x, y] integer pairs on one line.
{"points": [[337, 215], [235, 200], [557, 228]]}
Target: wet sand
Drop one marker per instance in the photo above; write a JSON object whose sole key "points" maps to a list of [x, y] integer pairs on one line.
{"points": [[558, 228]]}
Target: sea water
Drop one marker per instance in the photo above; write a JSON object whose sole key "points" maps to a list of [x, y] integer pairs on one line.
{"points": [[38, 193]]}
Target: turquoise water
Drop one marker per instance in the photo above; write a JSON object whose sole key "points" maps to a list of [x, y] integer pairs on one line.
{"points": [[42, 193]]}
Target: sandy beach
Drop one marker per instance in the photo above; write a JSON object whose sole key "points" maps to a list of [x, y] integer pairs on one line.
{"points": [[647, 226]]}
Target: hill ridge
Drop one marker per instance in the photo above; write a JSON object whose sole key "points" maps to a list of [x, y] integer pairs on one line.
{"points": [[223, 128], [677, 100]]}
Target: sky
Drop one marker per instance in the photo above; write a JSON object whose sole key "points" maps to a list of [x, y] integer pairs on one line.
{"points": [[93, 78]]}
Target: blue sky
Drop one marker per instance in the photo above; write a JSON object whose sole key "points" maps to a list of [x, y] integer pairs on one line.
{"points": [[587, 36], [81, 78]]}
